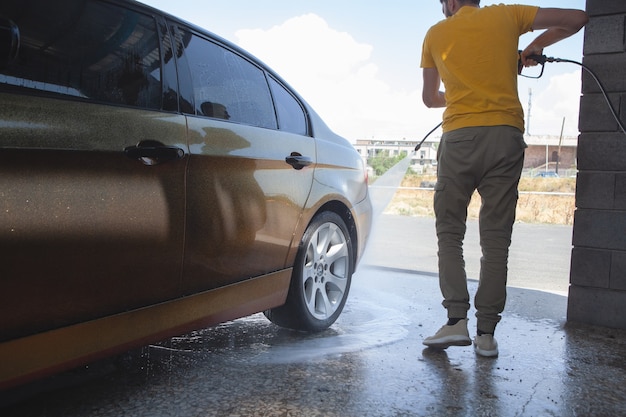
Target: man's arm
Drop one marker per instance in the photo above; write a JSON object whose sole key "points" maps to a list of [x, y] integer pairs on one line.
{"points": [[560, 24], [431, 95]]}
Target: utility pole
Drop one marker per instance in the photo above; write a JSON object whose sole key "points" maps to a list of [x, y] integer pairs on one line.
{"points": [[558, 154], [530, 104]]}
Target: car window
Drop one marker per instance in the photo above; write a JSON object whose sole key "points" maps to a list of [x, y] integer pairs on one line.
{"points": [[86, 49], [227, 86], [291, 117]]}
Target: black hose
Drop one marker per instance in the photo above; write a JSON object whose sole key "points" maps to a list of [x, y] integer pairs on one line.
{"points": [[419, 145], [595, 77], [542, 59]]}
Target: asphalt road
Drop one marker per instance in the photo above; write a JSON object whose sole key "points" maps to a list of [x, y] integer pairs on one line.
{"points": [[539, 257]]}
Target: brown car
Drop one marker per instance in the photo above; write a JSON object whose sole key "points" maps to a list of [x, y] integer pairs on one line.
{"points": [[155, 179]]}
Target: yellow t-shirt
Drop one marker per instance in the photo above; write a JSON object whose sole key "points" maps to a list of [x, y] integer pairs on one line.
{"points": [[475, 53]]}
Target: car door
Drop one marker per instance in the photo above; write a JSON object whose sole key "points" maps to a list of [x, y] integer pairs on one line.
{"points": [[245, 195], [91, 169]]}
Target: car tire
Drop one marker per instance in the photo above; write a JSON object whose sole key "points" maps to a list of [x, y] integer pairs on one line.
{"points": [[321, 277]]}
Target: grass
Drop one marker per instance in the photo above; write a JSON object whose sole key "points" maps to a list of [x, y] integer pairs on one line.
{"points": [[531, 208]]}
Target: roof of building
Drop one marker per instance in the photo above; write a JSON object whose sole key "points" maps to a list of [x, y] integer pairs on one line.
{"points": [[531, 140]]}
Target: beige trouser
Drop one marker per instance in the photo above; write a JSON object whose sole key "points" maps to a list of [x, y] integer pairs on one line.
{"points": [[490, 160]]}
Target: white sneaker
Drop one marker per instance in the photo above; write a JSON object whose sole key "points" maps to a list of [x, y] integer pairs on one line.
{"points": [[447, 336], [486, 345]]}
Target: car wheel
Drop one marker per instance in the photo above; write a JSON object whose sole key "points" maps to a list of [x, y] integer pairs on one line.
{"points": [[321, 276]]}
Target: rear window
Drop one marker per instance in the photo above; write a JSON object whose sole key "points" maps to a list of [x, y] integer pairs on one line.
{"points": [[291, 116], [86, 49], [227, 86]]}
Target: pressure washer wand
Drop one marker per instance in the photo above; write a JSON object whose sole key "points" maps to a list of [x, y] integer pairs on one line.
{"points": [[419, 145]]}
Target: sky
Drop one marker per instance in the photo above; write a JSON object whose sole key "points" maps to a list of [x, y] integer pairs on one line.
{"points": [[357, 62]]}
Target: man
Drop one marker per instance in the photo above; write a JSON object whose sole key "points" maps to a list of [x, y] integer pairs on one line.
{"points": [[474, 53]]}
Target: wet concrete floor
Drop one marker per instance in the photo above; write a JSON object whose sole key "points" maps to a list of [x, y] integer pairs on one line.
{"points": [[370, 363]]}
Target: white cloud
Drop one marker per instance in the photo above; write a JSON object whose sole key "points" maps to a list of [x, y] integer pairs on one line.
{"points": [[560, 99], [336, 75]]}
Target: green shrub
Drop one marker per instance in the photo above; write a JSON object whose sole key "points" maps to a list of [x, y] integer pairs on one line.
{"points": [[381, 164]]}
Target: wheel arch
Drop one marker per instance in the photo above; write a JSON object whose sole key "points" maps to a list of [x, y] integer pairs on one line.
{"points": [[346, 215]]}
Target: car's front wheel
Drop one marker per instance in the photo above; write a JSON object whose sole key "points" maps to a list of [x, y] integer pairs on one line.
{"points": [[321, 277]]}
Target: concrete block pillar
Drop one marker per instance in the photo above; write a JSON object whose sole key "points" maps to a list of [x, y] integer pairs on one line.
{"points": [[597, 292]]}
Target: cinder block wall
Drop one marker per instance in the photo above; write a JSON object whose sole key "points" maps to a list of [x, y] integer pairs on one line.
{"points": [[597, 292]]}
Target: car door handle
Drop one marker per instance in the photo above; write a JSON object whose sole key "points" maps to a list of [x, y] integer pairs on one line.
{"points": [[151, 152], [298, 161]]}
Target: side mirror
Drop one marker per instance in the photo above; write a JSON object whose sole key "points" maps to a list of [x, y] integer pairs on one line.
{"points": [[9, 41]]}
